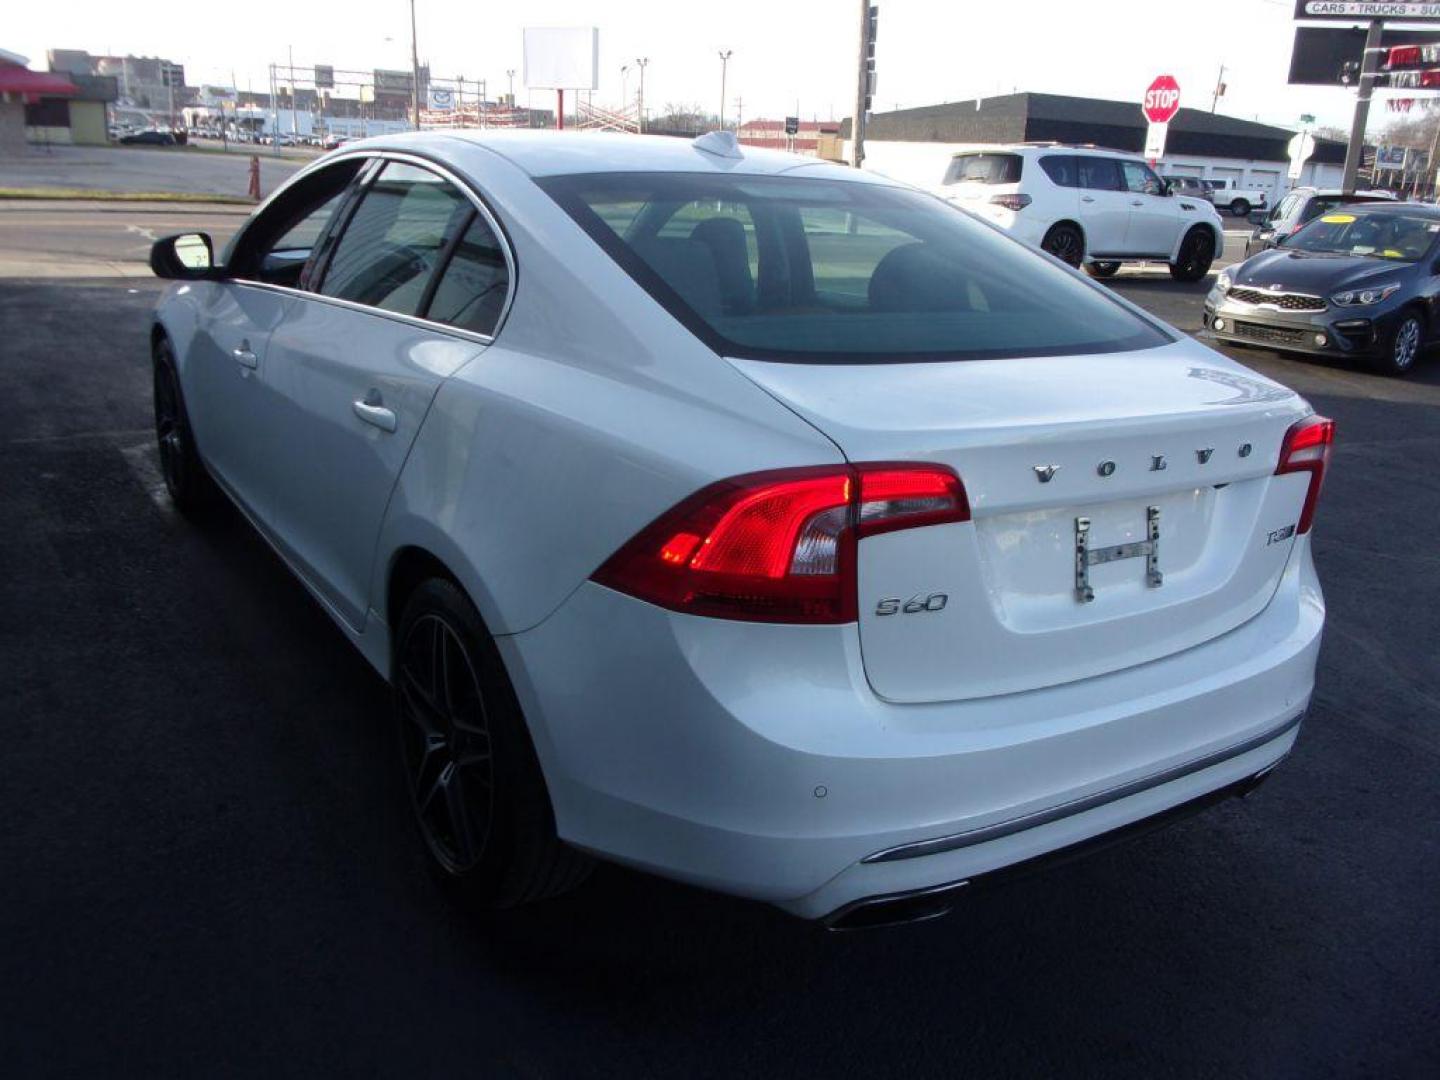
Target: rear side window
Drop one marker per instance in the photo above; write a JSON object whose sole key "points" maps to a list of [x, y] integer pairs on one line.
{"points": [[1100, 174], [987, 168], [1060, 168], [474, 283], [842, 271], [395, 239]]}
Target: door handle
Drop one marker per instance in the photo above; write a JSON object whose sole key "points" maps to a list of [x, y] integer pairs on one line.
{"points": [[1137, 202], [373, 411], [1087, 198], [244, 357]]}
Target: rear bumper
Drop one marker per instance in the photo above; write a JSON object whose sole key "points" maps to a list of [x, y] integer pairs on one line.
{"points": [[756, 760]]}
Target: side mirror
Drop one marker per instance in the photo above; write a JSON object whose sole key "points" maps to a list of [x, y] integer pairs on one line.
{"points": [[183, 257], [1165, 189], [1258, 217]]}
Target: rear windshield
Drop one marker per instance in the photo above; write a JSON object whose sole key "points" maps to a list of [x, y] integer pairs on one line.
{"points": [[984, 169], [798, 269]]}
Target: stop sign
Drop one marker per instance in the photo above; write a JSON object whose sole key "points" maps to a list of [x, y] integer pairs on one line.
{"points": [[1162, 100]]}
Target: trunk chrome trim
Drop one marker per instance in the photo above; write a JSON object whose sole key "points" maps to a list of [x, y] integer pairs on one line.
{"points": [[921, 848]]}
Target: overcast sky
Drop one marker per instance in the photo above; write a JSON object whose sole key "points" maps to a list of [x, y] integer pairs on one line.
{"points": [[785, 51]]}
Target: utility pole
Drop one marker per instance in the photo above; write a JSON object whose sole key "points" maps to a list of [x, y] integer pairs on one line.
{"points": [[624, 96], [294, 97], [275, 110], [641, 63], [414, 68], [862, 86], [1219, 90], [739, 114], [725, 55], [510, 74], [1356, 150]]}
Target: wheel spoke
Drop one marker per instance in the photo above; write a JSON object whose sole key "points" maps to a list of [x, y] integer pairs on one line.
{"points": [[457, 809]]}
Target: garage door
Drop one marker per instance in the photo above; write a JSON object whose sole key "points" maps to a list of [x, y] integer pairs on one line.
{"points": [[1267, 180]]}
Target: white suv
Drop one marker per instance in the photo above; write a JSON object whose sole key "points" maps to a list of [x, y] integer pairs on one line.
{"points": [[1096, 208]]}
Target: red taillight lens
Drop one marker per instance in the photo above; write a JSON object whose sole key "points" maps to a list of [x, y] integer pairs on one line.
{"points": [[779, 546], [1307, 449], [1011, 202]]}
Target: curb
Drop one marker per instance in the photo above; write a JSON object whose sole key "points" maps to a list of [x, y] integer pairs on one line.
{"points": [[16, 194]]}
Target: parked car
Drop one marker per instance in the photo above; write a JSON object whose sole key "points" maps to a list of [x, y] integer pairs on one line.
{"points": [[716, 511], [149, 138], [1238, 200], [1301, 205], [1358, 281], [1096, 208], [1191, 187]]}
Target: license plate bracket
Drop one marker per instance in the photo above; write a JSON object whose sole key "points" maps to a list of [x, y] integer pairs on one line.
{"points": [[1086, 556]]}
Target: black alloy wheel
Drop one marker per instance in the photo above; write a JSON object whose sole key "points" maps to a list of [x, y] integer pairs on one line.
{"points": [[1240, 207], [189, 485], [445, 739], [1197, 252], [1102, 269], [474, 782], [1065, 243]]}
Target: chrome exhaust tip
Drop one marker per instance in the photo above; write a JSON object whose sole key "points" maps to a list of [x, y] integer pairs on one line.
{"points": [[895, 909]]}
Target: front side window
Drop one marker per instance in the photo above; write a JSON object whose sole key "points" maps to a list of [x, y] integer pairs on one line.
{"points": [[984, 169], [1140, 179], [395, 239], [842, 271], [278, 246], [1100, 174]]}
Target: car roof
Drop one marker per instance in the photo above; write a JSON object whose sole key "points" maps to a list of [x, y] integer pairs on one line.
{"points": [[1381, 206], [1044, 148], [556, 153]]}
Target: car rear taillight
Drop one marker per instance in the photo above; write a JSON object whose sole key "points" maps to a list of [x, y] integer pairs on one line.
{"points": [[1011, 202], [779, 546], [1307, 449]]}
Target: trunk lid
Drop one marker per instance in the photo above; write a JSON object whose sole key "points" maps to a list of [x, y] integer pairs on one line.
{"points": [[1135, 443]]}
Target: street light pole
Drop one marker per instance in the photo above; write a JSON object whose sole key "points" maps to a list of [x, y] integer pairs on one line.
{"points": [[624, 71], [414, 68], [725, 55], [640, 108], [510, 74]]}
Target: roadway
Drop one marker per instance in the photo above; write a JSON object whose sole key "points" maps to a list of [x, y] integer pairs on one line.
{"points": [[208, 868]]}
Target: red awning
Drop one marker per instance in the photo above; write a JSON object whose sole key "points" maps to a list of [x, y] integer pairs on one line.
{"points": [[34, 84]]}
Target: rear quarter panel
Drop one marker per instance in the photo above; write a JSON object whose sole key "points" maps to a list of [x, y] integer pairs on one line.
{"points": [[592, 413]]}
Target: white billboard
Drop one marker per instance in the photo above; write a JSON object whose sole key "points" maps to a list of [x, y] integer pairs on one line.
{"points": [[562, 57]]}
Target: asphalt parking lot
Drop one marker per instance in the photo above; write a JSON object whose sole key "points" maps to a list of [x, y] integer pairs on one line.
{"points": [[207, 868]]}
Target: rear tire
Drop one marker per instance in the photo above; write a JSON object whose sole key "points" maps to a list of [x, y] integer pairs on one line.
{"points": [[1197, 252], [189, 484], [476, 790], [1102, 269], [1066, 243], [1403, 347], [1240, 207]]}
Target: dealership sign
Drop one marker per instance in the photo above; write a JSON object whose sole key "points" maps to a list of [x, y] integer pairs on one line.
{"points": [[1350, 10]]}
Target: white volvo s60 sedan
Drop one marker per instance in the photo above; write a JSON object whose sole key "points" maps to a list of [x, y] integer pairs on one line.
{"points": [[750, 520]]}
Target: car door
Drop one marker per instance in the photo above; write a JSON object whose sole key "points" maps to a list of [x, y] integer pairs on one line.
{"points": [[1154, 225], [224, 374], [1104, 205], [403, 301]]}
